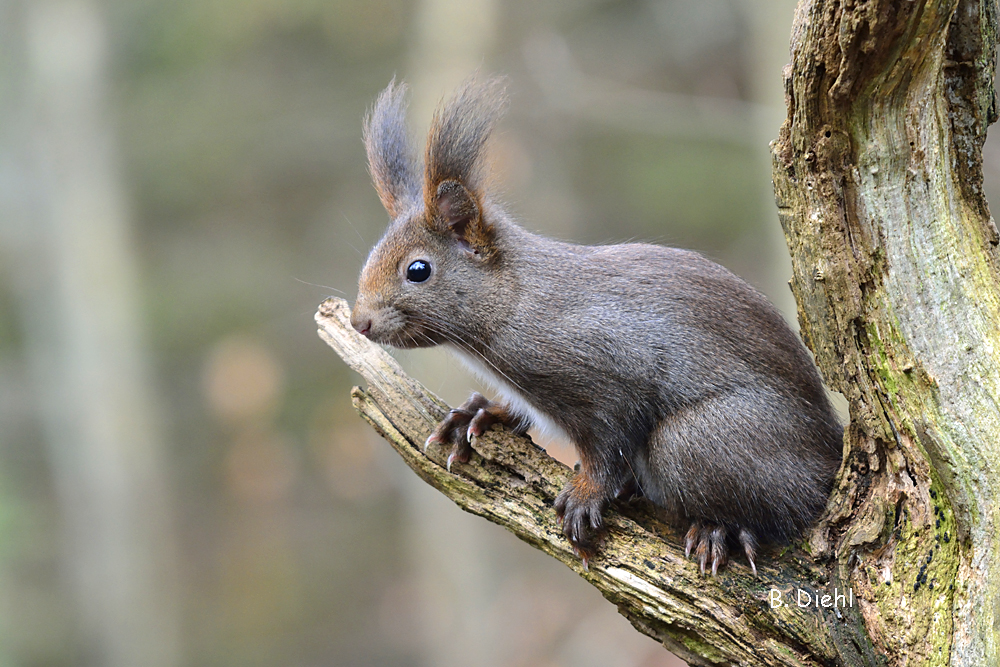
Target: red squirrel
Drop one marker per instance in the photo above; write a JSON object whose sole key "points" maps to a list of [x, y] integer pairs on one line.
{"points": [[670, 375]]}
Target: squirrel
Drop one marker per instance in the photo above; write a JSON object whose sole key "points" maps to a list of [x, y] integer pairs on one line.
{"points": [[674, 378]]}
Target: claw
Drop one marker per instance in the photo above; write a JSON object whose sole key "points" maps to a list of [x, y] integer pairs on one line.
{"points": [[690, 539], [718, 544], [749, 543], [451, 457], [581, 554], [480, 423], [709, 545]]}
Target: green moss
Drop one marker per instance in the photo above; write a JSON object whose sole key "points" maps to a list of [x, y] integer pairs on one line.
{"points": [[698, 646], [920, 595], [879, 359]]}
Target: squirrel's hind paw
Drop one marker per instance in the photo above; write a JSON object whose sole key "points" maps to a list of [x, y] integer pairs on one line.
{"points": [[579, 513], [708, 542]]}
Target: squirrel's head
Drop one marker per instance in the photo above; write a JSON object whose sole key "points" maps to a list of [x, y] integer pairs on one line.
{"points": [[436, 259]]}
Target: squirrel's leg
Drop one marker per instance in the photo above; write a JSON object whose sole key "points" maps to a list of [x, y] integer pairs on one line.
{"points": [[692, 454], [581, 503], [471, 419]]}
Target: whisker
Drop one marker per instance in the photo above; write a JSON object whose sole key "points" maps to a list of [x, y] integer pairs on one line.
{"points": [[444, 328], [304, 282], [363, 242], [638, 484]]}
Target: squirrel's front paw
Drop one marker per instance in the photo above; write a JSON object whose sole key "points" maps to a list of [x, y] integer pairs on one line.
{"points": [[579, 507], [471, 419]]}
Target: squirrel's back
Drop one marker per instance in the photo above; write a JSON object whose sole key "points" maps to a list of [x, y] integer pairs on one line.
{"points": [[666, 347], [672, 315]]}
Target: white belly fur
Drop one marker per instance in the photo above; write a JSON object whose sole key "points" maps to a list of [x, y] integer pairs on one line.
{"points": [[511, 396]]}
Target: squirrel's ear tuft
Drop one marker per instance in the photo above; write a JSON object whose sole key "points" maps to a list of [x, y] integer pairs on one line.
{"points": [[454, 161], [459, 132], [390, 159]]}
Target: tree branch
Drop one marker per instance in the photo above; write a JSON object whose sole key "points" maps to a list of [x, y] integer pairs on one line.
{"points": [[641, 566]]}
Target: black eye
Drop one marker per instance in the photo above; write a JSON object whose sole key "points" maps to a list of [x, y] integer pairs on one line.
{"points": [[418, 271]]}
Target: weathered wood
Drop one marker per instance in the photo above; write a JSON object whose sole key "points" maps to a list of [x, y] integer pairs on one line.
{"points": [[641, 567], [878, 182]]}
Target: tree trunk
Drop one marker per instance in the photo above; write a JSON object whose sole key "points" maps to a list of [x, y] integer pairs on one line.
{"points": [[878, 182]]}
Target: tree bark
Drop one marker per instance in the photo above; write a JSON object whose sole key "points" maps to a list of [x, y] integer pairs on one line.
{"points": [[878, 181], [877, 175]]}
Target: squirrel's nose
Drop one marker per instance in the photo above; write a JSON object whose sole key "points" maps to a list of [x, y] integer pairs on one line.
{"points": [[361, 324]]}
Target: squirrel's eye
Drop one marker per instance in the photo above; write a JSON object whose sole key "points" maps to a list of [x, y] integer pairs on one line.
{"points": [[418, 271]]}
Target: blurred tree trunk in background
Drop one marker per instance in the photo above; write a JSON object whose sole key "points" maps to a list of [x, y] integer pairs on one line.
{"points": [[453, 38], [767, 51], [65, 239]]}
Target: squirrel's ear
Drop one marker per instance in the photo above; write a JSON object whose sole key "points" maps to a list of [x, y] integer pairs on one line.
{"points": [[390, 159], [453, 181], [456, 211]]}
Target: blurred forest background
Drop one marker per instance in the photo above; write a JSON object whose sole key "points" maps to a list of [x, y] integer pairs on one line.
{"points": [[182, 478]]}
